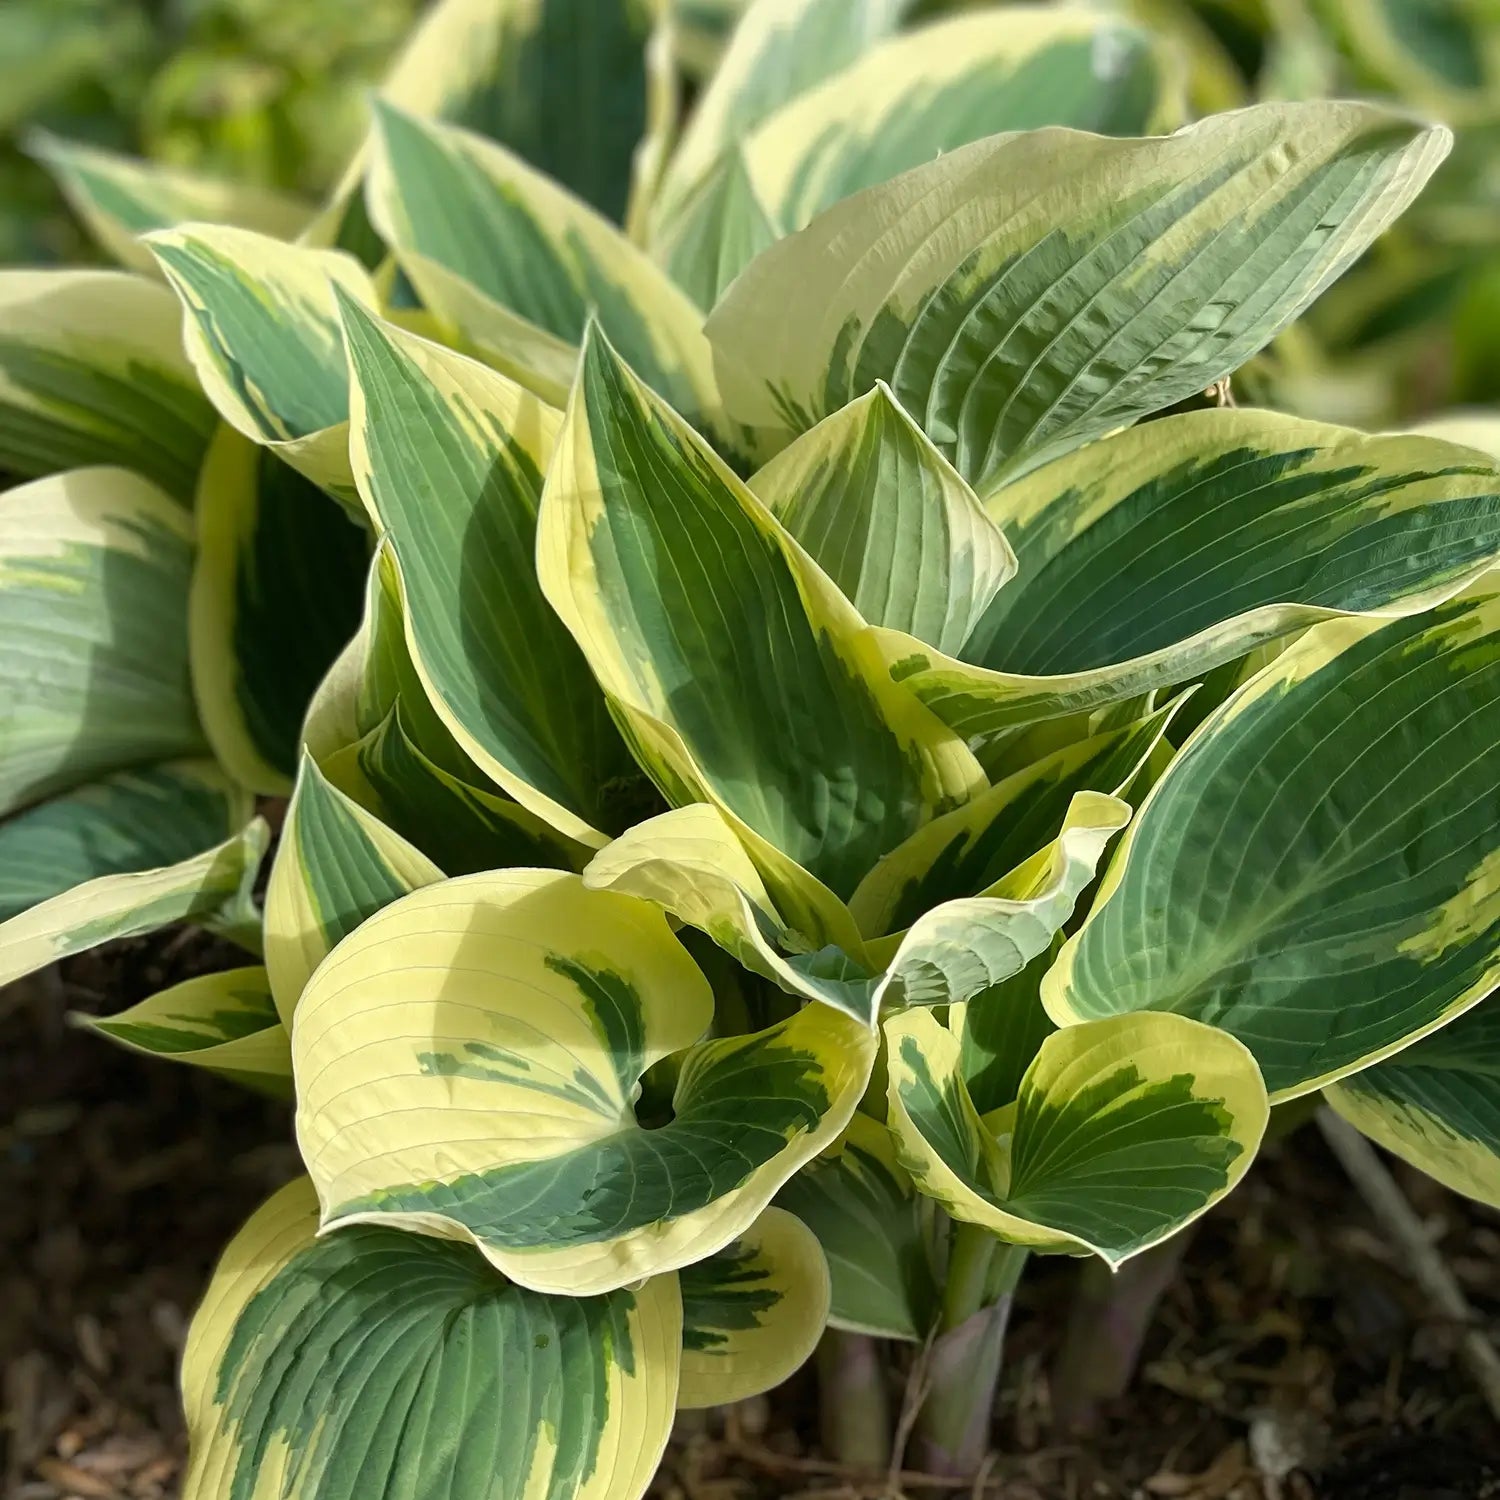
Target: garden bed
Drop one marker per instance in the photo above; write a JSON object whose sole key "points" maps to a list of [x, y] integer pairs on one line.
{"points": [[1291, 1359]]}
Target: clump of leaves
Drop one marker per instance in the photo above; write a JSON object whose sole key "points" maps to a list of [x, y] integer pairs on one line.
{"points": [[684, 931]]}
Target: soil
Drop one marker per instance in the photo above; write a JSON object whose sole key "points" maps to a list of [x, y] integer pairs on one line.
{"points": [[1291, 1359]]}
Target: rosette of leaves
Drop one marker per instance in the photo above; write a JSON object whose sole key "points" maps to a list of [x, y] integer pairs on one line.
{"points": [[194, 553], [684, 930]]}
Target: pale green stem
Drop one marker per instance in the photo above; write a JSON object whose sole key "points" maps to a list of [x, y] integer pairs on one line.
{"points": [[1111, 1316], [854, 1400], [968, 1271], [963, 1370]]}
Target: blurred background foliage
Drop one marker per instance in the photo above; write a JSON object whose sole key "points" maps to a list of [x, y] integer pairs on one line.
{"points": [[272, 92], [263, 91]]}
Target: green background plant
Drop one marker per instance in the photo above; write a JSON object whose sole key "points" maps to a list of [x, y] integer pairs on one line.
{"points": [[259, 91]]}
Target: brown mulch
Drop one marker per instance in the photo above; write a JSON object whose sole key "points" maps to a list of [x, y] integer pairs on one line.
{"points": [[120, 1179], [1292, 1360]]}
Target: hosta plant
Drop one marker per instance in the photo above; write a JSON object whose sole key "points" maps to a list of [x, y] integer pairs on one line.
{"points": [[791, 812]]}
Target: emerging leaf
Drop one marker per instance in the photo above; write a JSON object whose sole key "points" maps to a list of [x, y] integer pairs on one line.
{"points": [[976, 846], [1124, 1131], [962, 947]]}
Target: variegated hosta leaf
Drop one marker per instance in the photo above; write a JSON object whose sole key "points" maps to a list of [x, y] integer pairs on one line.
{"points": [[261, 327], [970, 849], [752, 1312], [119, 198], [1436, 1104], [449, 459], [666, 568], [224, 1022], [446, 201], [1316, 871], [565, 84], [335, 719], [778, 50], [468, 1062], [956, 950], [1204, 696], [374, 675], [94, 573], [701, 34], [691, 863], [209, 885], [1124, 1131], [373, 1361], [1238, 527], [869, 1219], [277, 585], [92, 372], [708, 221], [373, 732], [915, 96], [1000, 1030], [336, 865], [462, 826], [715, 232], [911, 98], [1472, 428], [132, 820], [1026, 293], [890, 521]]}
